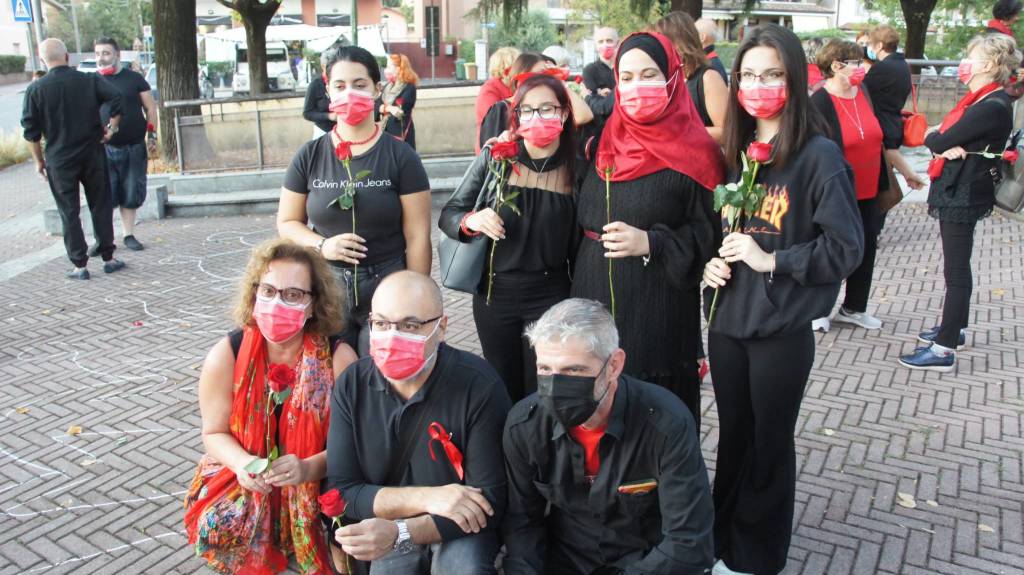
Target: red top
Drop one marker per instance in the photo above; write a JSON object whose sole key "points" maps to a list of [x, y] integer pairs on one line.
{"points": [[862, 142], [589, 439], [814, 77], [491, 92]]}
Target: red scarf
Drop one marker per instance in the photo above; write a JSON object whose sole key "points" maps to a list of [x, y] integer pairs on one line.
{"points": [[1001, 26], [676, 140], [954, 115]]}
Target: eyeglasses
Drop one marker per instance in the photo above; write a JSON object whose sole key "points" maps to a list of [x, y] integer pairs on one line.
{"points": [[290, 296], [546, 112], [850, 64], [769, 78], [402, 325]]}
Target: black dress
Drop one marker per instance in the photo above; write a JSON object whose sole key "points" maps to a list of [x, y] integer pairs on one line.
{"points": [[403, 129], [657, 304]]}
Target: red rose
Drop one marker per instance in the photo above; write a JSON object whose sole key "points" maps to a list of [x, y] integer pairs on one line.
{"points": [[606, 161], [578, 79], [281, 377], [759, 152], [332, 504], [398, 102], [1011, 156], [343, 150], [504, 150]]}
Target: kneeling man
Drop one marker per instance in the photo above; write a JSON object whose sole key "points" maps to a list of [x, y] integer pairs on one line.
{"points": [[617, 459]]}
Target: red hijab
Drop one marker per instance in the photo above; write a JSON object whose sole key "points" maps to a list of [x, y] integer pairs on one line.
{"points": [[677, 139]]}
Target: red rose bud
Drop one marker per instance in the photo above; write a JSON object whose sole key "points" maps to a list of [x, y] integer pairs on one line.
{"points": [[343, 151], [332, 504], [398, 102], [150, 127], [759, 152], [606, 161], [281, 377], [578, 79], [1011, 156], [504, 150]]}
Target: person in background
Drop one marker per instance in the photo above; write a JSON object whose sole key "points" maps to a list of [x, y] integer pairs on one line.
{"points": [[599, 78], [889, 83], [815, 79], [242, 521], [533, 248], [963, 186], [1005, 14], [64, 107], [781, 270], [127, 154], [317, 105], [845, 105], [497, 87], [560, 56], [38, 74], [616, 460], [708, 31], [387, 226], [399, 98], [863, 39]]}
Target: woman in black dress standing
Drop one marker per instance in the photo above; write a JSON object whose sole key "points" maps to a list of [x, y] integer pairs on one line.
{"points": [[398, 98], [531, 256], [661, 227]]}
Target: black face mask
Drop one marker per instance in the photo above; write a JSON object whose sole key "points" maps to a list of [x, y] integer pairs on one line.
{"points": [[570, 398]]}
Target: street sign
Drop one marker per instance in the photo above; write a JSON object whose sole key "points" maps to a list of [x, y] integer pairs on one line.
{"points": [[22, 10], [147, 31]]}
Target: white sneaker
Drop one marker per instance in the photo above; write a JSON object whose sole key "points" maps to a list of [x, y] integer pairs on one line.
{"points": [[821, 324], [721, 568], [858, 318]]}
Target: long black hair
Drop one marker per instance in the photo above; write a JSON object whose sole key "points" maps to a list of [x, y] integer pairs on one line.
{"points": [[567, 140], [800, 121], [357, 55]]}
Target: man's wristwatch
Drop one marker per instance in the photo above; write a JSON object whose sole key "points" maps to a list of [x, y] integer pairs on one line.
{"points": [[403, 543], [112, 128]]}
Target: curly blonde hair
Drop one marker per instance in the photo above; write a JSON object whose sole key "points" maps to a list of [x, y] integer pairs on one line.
{"points": [[500, 61], [327, 303], [999, 49]]}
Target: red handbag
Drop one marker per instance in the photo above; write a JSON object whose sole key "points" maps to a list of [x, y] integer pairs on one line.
{"points": [[915, 124]]}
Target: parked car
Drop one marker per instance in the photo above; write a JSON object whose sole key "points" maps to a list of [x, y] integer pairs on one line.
{"points": [[87, 65]]}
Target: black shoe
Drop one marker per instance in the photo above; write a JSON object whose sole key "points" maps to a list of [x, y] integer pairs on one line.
{"points": [[112, 266], [77, 274], [133, 244], [94, 250]]}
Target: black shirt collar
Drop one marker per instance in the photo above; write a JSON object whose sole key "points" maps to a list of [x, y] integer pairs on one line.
{"points": [[616, 420], [709, 49]]}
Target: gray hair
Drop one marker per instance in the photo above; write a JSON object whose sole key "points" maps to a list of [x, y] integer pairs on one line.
{"points": [[708, 28], [559, 54], [584, 320]]}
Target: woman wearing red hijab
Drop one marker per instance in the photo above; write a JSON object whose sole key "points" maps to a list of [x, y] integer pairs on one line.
{"points": [[649, 232]]}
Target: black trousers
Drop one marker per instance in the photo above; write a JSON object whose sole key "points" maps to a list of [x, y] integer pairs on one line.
{"points": [[356, 332], [759, 384], [91, 172], [957, 246], [517, 300], [858, 285]]}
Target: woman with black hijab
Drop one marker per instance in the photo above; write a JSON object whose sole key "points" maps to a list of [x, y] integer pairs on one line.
{"points": [[648, 232]]}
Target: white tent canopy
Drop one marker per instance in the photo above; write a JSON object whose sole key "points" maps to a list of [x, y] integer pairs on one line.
{"points": [[221, 45]]}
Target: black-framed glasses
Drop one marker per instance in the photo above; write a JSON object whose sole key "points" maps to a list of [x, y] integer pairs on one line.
{"points": [[402, 325], [290, 296], [768, 78], [545, 111], [850, 64]]}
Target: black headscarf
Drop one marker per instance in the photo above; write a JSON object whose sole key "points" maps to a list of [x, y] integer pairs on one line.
{"points": [[650, 45]]}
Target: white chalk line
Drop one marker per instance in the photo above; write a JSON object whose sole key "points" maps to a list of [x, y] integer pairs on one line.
{"points": [[80, 558]]}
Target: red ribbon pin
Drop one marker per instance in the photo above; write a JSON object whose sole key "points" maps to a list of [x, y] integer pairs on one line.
{"points": [[437, 431]]}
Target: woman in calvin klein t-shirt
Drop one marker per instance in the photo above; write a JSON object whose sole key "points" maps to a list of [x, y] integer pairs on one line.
{"points": [[384, 226]]}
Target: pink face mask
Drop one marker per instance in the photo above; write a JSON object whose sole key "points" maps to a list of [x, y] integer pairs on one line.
{"points": [[277, 321], [352, 106], [763, 101], [106, 70], [540, 132], [643, 101], [857, 76], [389, 75], [399, 356], [965, 71], [607, 52]]}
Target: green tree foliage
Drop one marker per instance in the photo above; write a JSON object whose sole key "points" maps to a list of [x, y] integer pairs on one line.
{"points": [[118, 19], [615, 13], [533, 31]]}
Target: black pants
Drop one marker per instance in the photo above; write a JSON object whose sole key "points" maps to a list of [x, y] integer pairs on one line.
{"points": [[356, 332], [858, 285], [91, 172], [517, 300], [957, 245], [759, 384]]}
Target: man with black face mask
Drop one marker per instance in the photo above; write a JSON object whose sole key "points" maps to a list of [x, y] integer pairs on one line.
{"points": [[617, 459]]}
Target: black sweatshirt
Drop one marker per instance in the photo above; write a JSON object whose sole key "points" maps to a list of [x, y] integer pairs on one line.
{"points": [[318, 102], [810, 220]]}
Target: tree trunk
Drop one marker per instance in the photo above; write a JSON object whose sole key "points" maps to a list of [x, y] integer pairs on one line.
{"points": [[692, 7], [177, 65], [256, 45], [917, 14]]}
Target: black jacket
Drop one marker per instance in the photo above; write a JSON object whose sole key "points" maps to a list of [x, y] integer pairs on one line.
{"points": [[811, 222], [317, 104], [466, 198], [822, 100], [889, 80]]}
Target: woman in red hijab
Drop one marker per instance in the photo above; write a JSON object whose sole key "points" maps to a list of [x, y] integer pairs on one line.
{"points": [[648, 232]]}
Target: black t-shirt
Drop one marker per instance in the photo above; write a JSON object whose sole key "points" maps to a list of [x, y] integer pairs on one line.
{"points": [[132, 129], [395, 170], [889, 84]]}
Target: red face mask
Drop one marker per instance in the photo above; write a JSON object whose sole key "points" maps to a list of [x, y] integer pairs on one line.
{"points": [[352, 106], [107, 70], [965, 71], [277, 321], [763, 101], [540, 132], [607, 52], [857, 76], [399, 356], [643, 101]]}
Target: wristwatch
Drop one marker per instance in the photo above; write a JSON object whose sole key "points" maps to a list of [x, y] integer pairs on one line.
{"points": [[112, 128], [403, 543]]}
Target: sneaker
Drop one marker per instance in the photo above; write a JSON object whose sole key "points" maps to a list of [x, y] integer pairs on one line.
{"points": [[112, 266], [822, 324], [928, 336], [721, 568], [133, 244], [77, 274], [858, 318], [926, 358], [94, 250], [703, 370]]}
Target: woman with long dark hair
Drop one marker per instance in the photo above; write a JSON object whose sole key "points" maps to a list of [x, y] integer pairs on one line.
{"points": [[781, 269], [648, 216], [534, 241]]}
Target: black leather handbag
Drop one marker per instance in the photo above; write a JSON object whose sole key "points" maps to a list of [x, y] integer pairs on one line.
{"points": [[462, 263]]}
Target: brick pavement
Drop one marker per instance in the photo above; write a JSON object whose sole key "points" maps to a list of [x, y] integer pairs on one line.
{"points": [[119, 356]]}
